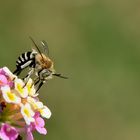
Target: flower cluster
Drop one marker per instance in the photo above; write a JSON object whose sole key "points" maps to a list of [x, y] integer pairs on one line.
{"points": [[21, 111]]}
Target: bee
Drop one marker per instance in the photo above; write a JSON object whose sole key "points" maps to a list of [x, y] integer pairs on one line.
{"points": [[38, 63]]}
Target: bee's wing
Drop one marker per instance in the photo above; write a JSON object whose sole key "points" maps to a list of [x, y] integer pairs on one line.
{"points": [[36, 47], [45, 46]]}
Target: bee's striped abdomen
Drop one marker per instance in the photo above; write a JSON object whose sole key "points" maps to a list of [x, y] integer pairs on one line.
{"points": [[24, 60]]}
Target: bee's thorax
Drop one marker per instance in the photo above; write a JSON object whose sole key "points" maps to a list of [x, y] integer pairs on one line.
{"points": [[44, 61]]}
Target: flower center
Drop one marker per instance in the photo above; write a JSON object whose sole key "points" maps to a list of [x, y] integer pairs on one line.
{"points": [[19, 87], [10, 95], [29, 88], [26, 111]]}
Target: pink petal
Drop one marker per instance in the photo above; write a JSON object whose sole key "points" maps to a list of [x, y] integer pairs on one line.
{"points": [[29, 133], [11, 83], [41, 130], [39, 122], [8, 132], [37, 114], [2, 71], [29, 136], [3, 80], [12, 133], [3, 136]]}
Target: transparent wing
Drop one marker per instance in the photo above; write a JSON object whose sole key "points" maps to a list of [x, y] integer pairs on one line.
{"points": [[45, 46]]}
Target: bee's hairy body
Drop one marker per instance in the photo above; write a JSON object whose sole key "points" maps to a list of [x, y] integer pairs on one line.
{"points": [[41, 67], [26, 59], [38, 63], [45, 62]]}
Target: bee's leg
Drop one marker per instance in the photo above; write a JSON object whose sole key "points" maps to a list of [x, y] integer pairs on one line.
{"points": [[17, 71], [37, 80], [40, 85], [28, 76], [31, 71]]}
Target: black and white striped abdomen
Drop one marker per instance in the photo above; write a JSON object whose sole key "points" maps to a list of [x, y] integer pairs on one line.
{"points": [[25, 59]]}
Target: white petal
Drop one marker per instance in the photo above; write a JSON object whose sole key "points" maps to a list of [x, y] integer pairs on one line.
{"points": [[19, 86], [9, 73], [35, 103], [45, 112], [9, 96], [27, 113]]}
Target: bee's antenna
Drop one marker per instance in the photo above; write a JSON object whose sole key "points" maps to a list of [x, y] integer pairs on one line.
{"points": [[36, 46], [59, 75]]}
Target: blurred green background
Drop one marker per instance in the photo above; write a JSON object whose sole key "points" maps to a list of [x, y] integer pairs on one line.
{"points": [[96, 43]]}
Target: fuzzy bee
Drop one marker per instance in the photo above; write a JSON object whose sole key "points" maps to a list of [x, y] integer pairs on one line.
{"points": [[38, 63]]}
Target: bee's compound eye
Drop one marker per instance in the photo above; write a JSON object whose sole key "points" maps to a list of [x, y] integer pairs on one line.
{"points": [[46, 73]]}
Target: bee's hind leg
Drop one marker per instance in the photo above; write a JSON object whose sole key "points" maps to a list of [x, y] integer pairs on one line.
{"points": [[17, 71], [36, 81], [40, 85]]}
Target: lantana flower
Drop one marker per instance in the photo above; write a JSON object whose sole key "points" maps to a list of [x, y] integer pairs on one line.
{"points": [[38, 106], [35, 103], [19, 87], [8, 132], [9, 96], [9, 74], [45, 112], [39, 124], [4, 78], [31, 88], [27, 113], [21, 111]]}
